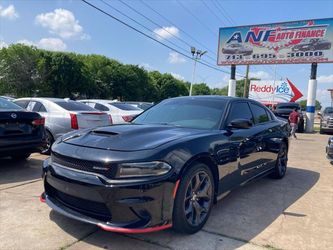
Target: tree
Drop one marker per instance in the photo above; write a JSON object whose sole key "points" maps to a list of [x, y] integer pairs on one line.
{"points": [[302, 103], [18, 69], [200, 89]]}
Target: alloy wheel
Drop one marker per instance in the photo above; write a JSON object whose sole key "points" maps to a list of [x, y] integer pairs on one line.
{"points": [[198, 198]]}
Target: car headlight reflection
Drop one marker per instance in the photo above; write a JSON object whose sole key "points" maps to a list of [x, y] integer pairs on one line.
{"points": [[142, 169]]}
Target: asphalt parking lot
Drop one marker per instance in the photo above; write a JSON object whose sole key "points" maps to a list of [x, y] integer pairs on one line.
{"points": [[293, 213]]}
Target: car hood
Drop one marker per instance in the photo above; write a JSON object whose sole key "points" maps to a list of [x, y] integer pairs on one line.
{"points": [[129, 137]]}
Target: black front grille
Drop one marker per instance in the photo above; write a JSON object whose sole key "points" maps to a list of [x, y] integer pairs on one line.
{"points": [[106, 169], [92, 209]]}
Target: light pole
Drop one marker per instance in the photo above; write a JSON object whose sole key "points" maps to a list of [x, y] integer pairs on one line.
{"points": [[196, 54]]}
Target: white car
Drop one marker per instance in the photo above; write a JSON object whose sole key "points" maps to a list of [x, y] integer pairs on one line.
{"points": [[63, 116], [120, 112]]}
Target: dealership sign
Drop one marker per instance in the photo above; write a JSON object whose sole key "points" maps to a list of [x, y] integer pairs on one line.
{"points": [[272, 92], [305, 41]]}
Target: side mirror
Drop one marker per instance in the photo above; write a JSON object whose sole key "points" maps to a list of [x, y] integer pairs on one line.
{"points": [[240, 124]]}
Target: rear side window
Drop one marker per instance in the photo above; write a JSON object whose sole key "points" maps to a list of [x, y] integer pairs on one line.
{"points": [[101, 107], [259, 113], [39, 107], [74, 106], [239, 110], [22, 103], [124, 106]]}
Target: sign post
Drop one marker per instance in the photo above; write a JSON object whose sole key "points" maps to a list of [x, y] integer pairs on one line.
{"points": [[311, 101], [232, 82]]}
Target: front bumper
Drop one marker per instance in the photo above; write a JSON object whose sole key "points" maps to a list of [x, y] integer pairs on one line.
{"points": [[126, 208]]}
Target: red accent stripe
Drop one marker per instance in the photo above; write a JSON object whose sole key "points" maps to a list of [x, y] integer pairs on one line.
{"points": [[175, 189], [133, 230]]}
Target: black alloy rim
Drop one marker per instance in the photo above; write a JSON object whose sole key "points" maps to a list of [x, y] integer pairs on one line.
{"points": [[282, 161], [48, 141], [198, 198]]}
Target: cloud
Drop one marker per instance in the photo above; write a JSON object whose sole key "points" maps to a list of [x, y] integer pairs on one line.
{"points": [[178, 76], [176, 58], [324, 97], [146, 66], [54, 44], [325, 79], [9, 12], [3, 44], [166, 32], [63, 23], [263, 75]]}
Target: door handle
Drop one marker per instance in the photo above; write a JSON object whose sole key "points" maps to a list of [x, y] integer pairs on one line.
{"points": [[270, 130]]}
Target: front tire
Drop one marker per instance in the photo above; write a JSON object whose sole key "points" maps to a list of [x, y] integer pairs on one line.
{"points": [[194, 199], [281, 163]]}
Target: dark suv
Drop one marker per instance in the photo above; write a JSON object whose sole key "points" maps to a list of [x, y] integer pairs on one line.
{"points": [[326, 120], [283, 110]]}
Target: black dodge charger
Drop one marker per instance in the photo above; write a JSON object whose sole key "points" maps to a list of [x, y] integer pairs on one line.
{"points": [[21, 132], [168, 167]]}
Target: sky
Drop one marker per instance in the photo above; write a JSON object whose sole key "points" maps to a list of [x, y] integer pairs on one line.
{"points": [[74, 26]]}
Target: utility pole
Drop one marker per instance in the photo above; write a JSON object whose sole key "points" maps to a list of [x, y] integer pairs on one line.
{"points": [[246, 80], [196, 54]]}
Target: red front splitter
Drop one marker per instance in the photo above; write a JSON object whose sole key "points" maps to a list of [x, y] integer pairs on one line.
{"points": [[133, 230]]}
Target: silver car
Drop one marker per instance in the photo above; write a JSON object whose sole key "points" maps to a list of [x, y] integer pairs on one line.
{"points": [[63, 116]]}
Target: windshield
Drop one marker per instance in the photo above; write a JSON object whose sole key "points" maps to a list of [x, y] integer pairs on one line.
{"points": [[124, 106], [7, 105], [287, 107], [185, 112], [74, 106], [328, 111]]}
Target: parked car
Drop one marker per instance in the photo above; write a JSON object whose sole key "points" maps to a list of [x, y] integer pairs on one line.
{"points": [[21, 132], [313, 44], [329, 149], [8, 98], [237, 48], [119, 111], [166, 168], [63, 116], [326, 120], [284, 109], [141, 105]]}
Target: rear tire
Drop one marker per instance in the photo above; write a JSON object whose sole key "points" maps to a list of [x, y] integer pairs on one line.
{"points": [[194, 199], [281, 163], [49, 141], [20, 157]]}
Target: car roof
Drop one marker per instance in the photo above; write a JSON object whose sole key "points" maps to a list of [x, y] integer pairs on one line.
{"points": [[44, 99]]}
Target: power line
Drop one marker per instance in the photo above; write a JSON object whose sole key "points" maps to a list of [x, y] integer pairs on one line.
{"points": [[197, 19], [224, 12], [214, 14], [187, 34], [148, 36], [143, 26], [148, 29], [158, 25]]}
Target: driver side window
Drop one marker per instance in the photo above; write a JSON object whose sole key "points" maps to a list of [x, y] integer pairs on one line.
{"points": [[239, 110]]}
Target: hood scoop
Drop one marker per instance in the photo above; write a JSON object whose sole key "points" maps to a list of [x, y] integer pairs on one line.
{"points": [[104, 132]]}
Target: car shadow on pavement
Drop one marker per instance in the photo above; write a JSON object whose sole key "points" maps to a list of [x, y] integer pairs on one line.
{"points": [[242, 215], [13, 172]]}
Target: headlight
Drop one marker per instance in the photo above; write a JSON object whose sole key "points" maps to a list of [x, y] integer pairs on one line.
{"points": [[142, 169]]}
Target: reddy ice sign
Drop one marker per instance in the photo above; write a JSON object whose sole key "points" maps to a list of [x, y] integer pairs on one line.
{"points": [[305, 41], [272, 92]]}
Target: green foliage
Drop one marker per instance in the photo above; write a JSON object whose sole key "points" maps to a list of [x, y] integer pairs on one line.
{"points": [[27, 71], [302, 103]]}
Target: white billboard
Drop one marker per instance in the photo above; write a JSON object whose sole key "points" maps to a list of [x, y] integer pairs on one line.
{"points": [[273, 92], [306, 41]]}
